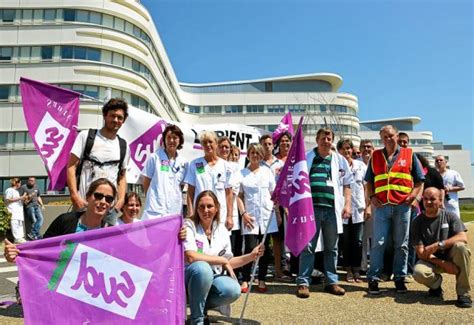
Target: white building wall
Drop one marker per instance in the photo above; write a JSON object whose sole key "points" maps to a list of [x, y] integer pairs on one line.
{"points": [[460, 161]]}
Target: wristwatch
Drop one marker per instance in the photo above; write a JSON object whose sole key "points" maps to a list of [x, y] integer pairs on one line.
{"points": [[441, 245]]}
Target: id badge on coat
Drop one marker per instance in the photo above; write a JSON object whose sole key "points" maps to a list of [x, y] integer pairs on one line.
{"points": [[329, 183]]}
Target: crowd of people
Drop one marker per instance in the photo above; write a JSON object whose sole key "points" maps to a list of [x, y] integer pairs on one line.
{"points": [[365, 203]]}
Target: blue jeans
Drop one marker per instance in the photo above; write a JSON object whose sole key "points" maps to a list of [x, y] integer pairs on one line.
{"points": [[326, 223], [36, 217], [207, 290], [411, 249], [394, 220]]}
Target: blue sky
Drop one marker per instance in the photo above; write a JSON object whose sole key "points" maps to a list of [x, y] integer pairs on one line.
{"points": [[400, 58]]}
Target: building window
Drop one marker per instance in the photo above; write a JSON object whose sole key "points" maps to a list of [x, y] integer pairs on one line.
{"points": [[8, 15], [276, 109], [46, 53], [6, 53], [212, 109], [95, 18], [255, 109], [93, 54], [82, 16], [4, 92], [268, 87], [67, 52], [194, 109], [49, 14], [79, 53], [233, 109], [69, 14], [297, 108]]}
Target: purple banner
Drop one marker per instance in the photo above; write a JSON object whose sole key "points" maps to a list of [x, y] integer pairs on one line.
{"points": [[117, 275], [293, 191], [51, 115], [147, 143], [286, 124]]}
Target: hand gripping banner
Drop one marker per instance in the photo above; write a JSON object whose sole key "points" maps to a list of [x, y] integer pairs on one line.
{"points": [[51, 115], [117, 275]]}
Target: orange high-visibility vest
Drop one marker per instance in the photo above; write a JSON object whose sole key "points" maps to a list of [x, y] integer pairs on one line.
{"points": [[392, 186]]}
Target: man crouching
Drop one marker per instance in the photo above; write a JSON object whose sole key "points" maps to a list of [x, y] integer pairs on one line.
{"points": [[440, 241]]}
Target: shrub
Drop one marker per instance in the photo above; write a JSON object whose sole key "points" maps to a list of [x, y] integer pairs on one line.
{"points": [[5, 217]]}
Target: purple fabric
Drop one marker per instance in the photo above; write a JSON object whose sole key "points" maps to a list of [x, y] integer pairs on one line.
{"points": [[286, 124], [147, 143], [124, 274], [51, 115], [293, 191]]}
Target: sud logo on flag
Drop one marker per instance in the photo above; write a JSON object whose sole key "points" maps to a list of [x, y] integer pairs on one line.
{"points": [[100, 280]]}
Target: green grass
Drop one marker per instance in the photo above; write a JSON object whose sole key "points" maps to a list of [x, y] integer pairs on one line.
{"points": [[467, 212]]}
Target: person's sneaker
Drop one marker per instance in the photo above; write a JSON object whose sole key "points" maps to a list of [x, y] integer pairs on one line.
{"points": [[31, 236], [400, 286], [20, 241], [374, 287], [464, 301], [334, 289], [438, 292], [302, 292], [409, 279]]}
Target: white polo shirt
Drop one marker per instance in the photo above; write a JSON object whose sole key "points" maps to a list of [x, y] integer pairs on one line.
{"points": [[164, 196], [206, 178], [219, 245], [15, 208], [257, 188]]}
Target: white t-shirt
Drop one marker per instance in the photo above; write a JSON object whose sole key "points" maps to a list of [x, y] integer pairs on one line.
{"points": [[103, 150], [15, 208], [275, 166], [358, 170], [234, 170], [164, 196], [257, 188], [219, 245], [452, 178], [206, 178]]}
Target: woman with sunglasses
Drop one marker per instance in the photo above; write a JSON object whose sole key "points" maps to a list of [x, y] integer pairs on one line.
{"points": [[209, 276], [100, 197]]}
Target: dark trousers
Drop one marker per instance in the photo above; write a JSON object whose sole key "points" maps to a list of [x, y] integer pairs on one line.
{"points": [[236, 242], [251, 241], [352, 244]]}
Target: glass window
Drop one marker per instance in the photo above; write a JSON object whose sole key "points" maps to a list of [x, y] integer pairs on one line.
{"points": [[135, 100], [46, 52], [127, 62], [233, 109], [8, 15], [6, 53], [49, 14], [69, 14], [108, 21], [38, 14], [92, 91], [255, 109], [95, 18], [82, 16], [119, 24], [135, 65], [67, 52], [79, 88], [27, 14], [35, 52], [106, 56], [137, 31], [276, 108], [194, 109], [323, 108], [25, 52], [4, 92], [3, 139], [80, 52], [118, 59], [128, 28], [19, 139], [93, 54]]}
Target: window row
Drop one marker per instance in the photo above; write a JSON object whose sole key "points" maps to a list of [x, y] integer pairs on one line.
{"points": [[89, 17], [261, 109], [24, 54], [12, 91], [313, 128]]}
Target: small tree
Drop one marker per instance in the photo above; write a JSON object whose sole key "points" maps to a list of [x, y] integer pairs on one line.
{"points": [[5, 217]]}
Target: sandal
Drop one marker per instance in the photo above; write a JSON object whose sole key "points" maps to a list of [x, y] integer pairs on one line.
{"points": [[350, 276], [357, 277]]}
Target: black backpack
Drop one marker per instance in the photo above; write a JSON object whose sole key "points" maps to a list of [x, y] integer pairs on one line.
{"points": [[87, 151]]}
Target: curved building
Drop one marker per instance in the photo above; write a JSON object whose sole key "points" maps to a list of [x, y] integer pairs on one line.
{"points": [[111, 48]]}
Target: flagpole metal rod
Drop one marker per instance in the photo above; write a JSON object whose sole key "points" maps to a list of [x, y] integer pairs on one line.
{"points": [[254, 269], [93, 98]]}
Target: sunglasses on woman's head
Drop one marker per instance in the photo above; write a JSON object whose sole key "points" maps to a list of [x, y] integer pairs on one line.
{"points": [[99, 196]]}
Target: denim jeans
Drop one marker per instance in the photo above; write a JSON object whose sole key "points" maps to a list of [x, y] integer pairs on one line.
{"points": [[394, 220], [207, 290], [326, 223], [411, 249], [36, 216]]}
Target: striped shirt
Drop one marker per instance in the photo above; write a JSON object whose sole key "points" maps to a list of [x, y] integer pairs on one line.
{"points": [[320, 173]]}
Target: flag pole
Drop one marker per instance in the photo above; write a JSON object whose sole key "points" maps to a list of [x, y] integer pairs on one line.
{"points": [[254, 269]]}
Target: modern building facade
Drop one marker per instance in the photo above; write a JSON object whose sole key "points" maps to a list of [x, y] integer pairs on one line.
{"points": [[110, 48]]}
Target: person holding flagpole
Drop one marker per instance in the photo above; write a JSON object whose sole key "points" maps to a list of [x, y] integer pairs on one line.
{"points": [[330, 181], [256, 209]]}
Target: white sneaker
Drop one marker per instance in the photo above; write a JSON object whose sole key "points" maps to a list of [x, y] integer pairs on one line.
{"points": [[20, 241]]}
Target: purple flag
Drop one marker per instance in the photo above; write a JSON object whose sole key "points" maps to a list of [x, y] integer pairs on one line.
{"points": [[51, 114], [293, 191], [147, 143], [117, 275], [286, 124]]}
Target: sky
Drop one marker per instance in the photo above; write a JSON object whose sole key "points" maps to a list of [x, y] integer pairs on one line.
{"points": [[400, 58]]}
